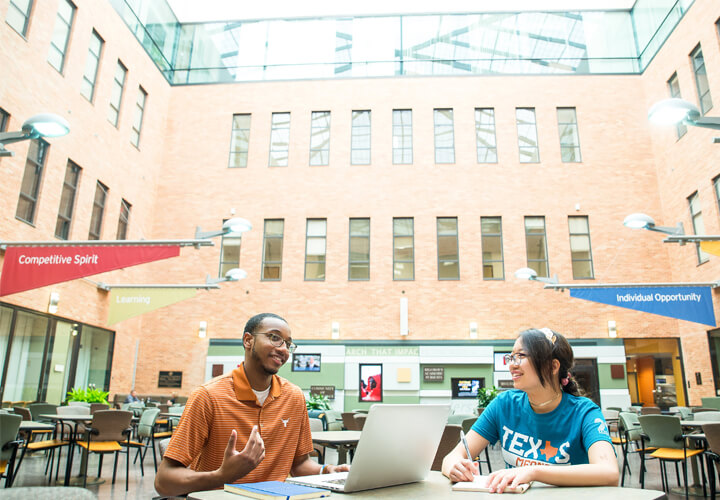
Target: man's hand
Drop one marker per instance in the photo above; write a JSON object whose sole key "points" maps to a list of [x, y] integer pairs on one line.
{"points": [[332, 469], [238, 464]]}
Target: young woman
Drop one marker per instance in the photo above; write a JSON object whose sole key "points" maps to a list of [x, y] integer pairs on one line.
{"points": [[548, 432]]}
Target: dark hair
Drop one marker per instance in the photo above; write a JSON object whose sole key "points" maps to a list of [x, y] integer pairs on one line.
{"points": [[541, 351], [255, 321]]}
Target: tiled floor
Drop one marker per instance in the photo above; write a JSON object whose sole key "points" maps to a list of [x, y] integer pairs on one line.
{"points": [[31, 474]]}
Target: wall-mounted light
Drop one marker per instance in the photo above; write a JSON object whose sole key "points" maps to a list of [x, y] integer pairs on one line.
{"points": [[53, 302], [526, 273], [236, 225], [404, 316], [335, 330], [202, 329], [235, 274], [673, 111], [612, 329], [644, 221], [42, 125], [473, 330]]}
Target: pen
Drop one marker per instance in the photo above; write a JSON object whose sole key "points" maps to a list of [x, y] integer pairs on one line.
{"points": [[464, 442]]}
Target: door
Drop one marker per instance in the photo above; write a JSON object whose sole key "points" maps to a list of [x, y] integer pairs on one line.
{"points": [[586, 374]]}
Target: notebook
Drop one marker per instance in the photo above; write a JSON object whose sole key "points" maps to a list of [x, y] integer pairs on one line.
{"points": [[480, 484], [275, 490], [397, 446]]}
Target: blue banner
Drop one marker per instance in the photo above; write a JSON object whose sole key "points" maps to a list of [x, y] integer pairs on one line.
{"points": [[690, 303]]}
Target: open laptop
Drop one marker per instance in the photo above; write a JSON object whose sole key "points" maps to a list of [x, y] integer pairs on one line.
{"points": [[397, 446]]}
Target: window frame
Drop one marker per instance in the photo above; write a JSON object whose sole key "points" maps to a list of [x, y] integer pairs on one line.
{"points": [[479, 112], [123, 219], [438, 131], [323, 152], [26, 15], [702, 256], [99, 188], [115, 107], [532, 124], [527, 247], [97, 58], [412, 240], [234, 152], [223, 245], [4, 120], [66, 219], [673, 84], [265, 243], [139, 117], [573, 259], [308, 238], [354, 132], [701, 69], [69, 24], [440, 261], [401, 137], [351, 237], [482, 247], [574, 124], [38, 164], [274, 130]]}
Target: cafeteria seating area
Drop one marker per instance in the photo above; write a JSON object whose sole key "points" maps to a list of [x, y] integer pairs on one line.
{"points": [[32, 471]]}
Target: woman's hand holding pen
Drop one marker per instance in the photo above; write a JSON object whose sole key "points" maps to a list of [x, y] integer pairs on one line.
{"points": [[464, 470]]}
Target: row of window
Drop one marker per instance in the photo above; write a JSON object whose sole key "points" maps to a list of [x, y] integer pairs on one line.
{"points": [[696, 216], [30, 192], [402, 137], [702, 85], [18, 17], [448, 256]]}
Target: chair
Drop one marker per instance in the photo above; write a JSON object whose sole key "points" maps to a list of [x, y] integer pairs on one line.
{"points": [[107, 429], [56, 443], [699, 409], [348, 419], [712, 454], [650, 410], [665, 433], [98, 407], [711, 402], [707, 415], [173, 421], [319, 414], [137, 408], [449, 440], [684, 412], [611, 417], [631, 434], [466, 426], [37, 409], [360, 420], [316, 425], [9, 426], [162, 446], [145, 431], [78, 403]]}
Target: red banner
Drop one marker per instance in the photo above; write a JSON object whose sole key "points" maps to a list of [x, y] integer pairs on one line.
{"points": [[25, 268]]}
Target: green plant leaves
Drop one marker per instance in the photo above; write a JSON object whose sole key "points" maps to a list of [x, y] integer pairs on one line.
{"points": [[317, 402], [485, 395], [89, 395]]}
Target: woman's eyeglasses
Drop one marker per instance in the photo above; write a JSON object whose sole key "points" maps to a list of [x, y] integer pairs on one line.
{"points": [[514, 359], [278, 341]]}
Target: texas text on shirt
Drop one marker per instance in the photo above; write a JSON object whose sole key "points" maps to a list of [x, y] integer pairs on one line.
{"points": [[560, 437]]}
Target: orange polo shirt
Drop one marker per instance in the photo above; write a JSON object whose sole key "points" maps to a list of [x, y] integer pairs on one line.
{"points": [[228, 402]]}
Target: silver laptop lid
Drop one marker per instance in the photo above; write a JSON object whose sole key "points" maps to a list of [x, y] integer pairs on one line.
{"points": [[397, 445]]}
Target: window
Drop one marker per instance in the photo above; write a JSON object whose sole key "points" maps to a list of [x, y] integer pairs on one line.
{"points": [[698, 224], [61, 34], [485, 135], [360, 140], [444, 136], [229, 252], [280, 140], [536, 245], [701, 80], [527, 135], [240, 141], [123, 220], [448, 254], [67, 201], [4, 119], [403, 249], [18, 15], [492, 248], [674, 87], [315, 242], [272, 249], [30, 187], [138, 119], [569, 136], [87, 87], [359, 258], [716, 187], [402, 137], [580, 250], [98, 210], [320, 138], [117, 93]]}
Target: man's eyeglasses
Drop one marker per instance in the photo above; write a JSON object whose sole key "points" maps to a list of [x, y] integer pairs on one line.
{"points": [[278, 341], [514, 359]]}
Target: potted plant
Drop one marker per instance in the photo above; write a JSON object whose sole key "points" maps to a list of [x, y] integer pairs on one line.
{"points": [[485, 395], [317, 402], [89, 395]]}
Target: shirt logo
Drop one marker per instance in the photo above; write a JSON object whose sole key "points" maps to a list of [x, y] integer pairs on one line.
{"points": [[602, 428], [285, 421]]}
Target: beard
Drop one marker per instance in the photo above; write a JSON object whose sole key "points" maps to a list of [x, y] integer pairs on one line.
{"points": [[256, 357]]}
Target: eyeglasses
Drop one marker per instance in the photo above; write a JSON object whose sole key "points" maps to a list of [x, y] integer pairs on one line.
{"points": [[278, 341], [514, 359]]}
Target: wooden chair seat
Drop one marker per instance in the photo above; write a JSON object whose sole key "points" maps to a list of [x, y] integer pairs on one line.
{"points": [[101, 446], [44, 445], [674, 453], [618, 440], [162, 421], [3, 466], [160, 435]]}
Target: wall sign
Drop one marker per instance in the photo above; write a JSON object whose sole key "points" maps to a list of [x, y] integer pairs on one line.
{"points": [[433, 373], [323, 390], [170, 379]]}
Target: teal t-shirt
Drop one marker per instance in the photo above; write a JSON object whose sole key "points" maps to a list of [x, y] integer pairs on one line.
{"points": [[560, 437]]}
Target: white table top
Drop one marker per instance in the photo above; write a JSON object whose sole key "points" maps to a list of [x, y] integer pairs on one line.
{"points": [[437, 487], [336, 437], [31, 425], [74, 418], [698, 423]]}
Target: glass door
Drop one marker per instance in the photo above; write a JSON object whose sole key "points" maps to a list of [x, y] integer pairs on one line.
{"points": [[59, 362], [586, 374], [94, 358], [26, 356]]}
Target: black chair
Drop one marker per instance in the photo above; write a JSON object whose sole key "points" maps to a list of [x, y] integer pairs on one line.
{"points": [[9, 426], [466, 426], [108, 428]]}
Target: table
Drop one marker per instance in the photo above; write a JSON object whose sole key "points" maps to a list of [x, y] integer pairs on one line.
{"points": [[342, 441], [75, 419], [437, 487], [32, 425]]}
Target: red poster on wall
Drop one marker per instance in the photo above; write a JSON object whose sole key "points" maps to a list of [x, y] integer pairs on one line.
{"points": [[25, 268]]}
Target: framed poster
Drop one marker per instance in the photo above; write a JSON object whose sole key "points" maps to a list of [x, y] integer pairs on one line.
{"points": [[466, 388], [306, 362], [370, 382]]}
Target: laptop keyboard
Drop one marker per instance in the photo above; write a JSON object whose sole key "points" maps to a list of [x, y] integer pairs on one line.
{"points": [[335, 481]]}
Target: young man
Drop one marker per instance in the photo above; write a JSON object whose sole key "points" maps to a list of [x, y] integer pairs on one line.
{"points": [[246, 426]]}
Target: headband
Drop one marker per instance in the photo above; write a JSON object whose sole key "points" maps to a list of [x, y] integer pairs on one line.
{"points": [[549, 334]]}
